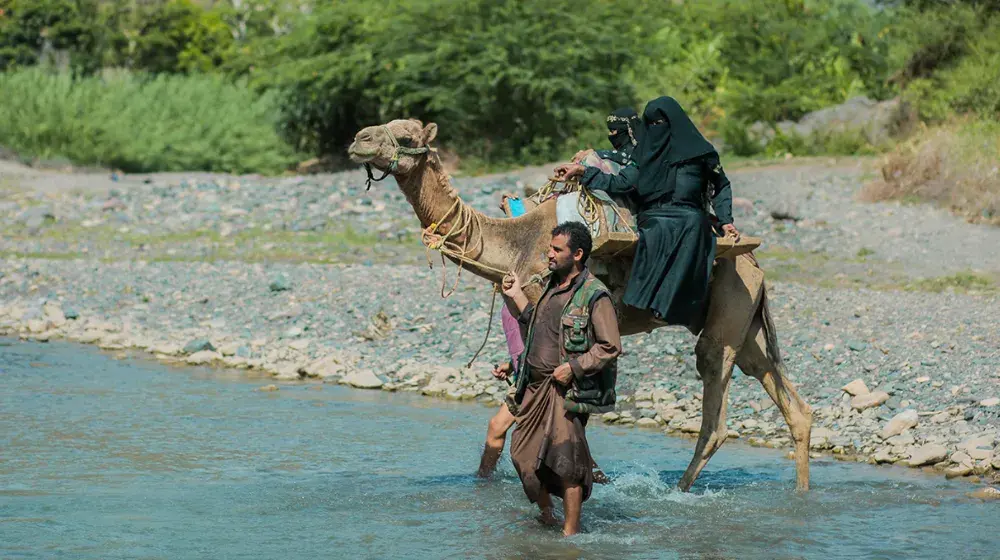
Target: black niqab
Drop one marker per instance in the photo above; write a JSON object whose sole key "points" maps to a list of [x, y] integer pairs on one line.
{"points": [[668, 138], [626, 124]]}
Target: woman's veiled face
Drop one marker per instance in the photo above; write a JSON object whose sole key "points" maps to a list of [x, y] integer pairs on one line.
{"points": [[654, 117]]}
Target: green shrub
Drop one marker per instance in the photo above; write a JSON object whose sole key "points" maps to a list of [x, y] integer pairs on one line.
{"points": [[166, 123], [506, 80]]}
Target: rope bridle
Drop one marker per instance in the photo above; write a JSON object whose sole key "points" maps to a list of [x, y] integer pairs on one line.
{"points": [[394, 160]]}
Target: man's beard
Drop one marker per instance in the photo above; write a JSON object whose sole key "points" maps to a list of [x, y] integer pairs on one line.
{"points": [[562, 272]]}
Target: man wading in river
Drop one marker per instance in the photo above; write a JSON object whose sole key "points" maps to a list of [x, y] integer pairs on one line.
{"points": [[567, 372]]}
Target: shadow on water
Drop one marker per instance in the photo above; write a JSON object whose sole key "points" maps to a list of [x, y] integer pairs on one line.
{"points": [[105, 458]]}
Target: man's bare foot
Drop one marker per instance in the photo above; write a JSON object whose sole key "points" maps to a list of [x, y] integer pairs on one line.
{"points": [[600, 477], [548, 518], [570, 532]]}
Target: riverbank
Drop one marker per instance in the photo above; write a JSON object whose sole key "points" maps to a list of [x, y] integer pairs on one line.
{"points": [[311, 278]]}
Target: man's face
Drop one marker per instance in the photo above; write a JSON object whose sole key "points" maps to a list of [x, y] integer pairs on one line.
{"points": [[561, 259]]}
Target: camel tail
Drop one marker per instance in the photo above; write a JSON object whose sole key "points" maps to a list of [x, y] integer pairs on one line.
{"points": [[773, 351]]}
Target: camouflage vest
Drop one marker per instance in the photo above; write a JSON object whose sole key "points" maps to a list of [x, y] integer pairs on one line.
{"points": [[591, 394]]}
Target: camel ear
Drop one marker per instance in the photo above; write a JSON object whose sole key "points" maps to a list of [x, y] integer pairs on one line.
{"points": [[430, 133]]}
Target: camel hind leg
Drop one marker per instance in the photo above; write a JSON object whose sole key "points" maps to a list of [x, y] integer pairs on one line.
{"points": [[715, 363], [760, 359]]}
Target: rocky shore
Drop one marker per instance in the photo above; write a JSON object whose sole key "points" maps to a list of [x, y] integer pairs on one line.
{"points": [[886, 313]]}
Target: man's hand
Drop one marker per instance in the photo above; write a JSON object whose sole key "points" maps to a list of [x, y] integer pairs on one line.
{"points": [[731, 231], [511, 286], [563, 374], [581, 155], [569, 171], [502, 371]]}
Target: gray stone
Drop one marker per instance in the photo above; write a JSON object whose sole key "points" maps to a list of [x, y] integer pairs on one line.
{"points": [[280, 284], [203, 357], [864, 402], [987, 493], [883, 455], [927, 454], [363, 379], [198, 345], [856, 388], [647, 423], [900, 423]]}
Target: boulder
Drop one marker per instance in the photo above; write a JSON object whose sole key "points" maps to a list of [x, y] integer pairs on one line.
{"points": [[871, 400], [203, 357], [198, 345], [987, 493], [855, 388], [900, 423], [927, 455], [883, 455], [647, 423], [877, 121], [362, 379]]}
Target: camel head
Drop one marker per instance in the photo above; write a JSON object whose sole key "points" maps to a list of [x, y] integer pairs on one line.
{"points": [[396, 147]]}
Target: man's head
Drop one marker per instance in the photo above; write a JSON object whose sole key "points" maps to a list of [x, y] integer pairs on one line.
{"points": [[570, 247]]}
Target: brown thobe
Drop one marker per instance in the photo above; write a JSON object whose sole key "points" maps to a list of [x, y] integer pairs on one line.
{"points": [[549, 446]]}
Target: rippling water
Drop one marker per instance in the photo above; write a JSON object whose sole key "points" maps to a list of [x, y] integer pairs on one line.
{"points": [[129, 459]]}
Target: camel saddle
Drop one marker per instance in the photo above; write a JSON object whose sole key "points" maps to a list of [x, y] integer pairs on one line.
{"points": [[612, 225]]}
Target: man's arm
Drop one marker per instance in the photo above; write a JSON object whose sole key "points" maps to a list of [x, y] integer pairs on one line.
{"points": [[607, 340]]}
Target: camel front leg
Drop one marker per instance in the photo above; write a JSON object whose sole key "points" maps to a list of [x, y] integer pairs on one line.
{"points": [[715, 364], [753, 360]]}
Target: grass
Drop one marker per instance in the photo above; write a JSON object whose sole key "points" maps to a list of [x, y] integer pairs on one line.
{"points": [[107, 243], [960, 282], [141, 124], [956, 166]]}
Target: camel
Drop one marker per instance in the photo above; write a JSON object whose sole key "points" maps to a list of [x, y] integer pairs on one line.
{"points": [[738, 330]]}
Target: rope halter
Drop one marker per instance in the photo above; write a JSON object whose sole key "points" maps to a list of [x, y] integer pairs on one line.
{"points": [[394, 160]]}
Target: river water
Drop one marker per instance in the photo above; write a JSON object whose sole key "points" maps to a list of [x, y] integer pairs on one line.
{"points": [[105, 458]]}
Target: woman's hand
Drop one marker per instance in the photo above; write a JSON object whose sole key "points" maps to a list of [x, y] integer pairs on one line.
{"points": [[731, 231], [569, 171], [581, 155]]}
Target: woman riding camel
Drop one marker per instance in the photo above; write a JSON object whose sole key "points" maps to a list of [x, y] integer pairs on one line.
{"points": [[677, 179]]}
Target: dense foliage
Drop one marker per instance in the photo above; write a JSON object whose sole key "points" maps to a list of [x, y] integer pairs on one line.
{"points": [[169, 123], [511, 81]]}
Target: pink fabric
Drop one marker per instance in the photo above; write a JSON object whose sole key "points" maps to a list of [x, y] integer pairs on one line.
{"points": [[512, 331]]}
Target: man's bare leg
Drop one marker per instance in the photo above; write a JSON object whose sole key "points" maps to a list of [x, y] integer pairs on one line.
{"points": [[496, 437], [572, 503], [547, 516]]}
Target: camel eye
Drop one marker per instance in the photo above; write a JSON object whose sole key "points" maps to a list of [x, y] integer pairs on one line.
{"points": [[405, 142]]}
